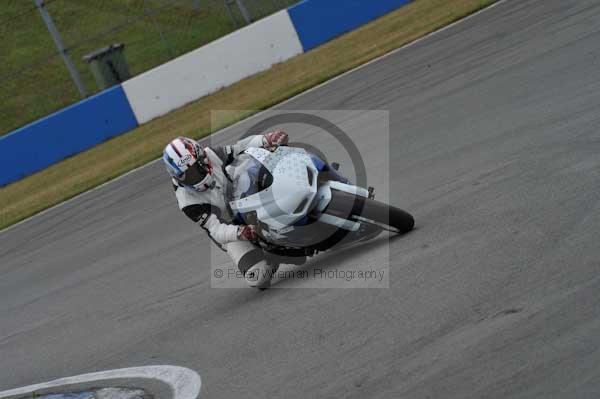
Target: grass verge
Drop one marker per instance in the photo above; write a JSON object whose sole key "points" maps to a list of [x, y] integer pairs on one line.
{"points": [[106, 161]]}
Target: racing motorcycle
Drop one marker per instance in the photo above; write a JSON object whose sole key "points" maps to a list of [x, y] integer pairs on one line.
{"points": [[302, 205]]}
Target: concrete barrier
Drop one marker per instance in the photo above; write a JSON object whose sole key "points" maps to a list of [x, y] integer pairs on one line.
{"points": [[319, 21], [245, 52], [64, 133]]}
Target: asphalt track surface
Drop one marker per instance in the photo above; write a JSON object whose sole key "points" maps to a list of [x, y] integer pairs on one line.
{"points": [[495, 148]]}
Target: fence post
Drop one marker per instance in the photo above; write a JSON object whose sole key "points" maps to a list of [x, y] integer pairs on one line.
{"points": [[247, 16], [228, 4], [61, 47], [163, 39]]}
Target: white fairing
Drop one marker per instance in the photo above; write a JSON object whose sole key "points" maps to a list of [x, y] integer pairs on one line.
{"points": [[293, 189], [363, 192], [292, 192]]}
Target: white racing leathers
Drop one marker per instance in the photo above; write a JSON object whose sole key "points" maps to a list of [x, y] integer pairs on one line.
{"points": [[209, 208]]}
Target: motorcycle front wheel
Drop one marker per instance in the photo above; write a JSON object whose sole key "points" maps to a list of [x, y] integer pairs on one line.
{"points": [[366, 210]]}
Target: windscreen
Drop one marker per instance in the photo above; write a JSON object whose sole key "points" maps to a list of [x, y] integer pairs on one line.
{"points": [[249, 177]]}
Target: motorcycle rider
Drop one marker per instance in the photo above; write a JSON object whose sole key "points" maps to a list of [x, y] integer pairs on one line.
{"points": [[201, 182]]}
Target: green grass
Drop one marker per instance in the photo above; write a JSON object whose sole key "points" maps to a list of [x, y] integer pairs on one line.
{"points": [[33, 78], [106, 161]]}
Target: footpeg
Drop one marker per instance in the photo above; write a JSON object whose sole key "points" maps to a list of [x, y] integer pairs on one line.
{"points": [[335, 166], [371, 192]]}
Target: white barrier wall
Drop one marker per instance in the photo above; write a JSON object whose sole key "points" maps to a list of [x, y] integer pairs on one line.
{"points": [[245, 52], [223, 62]]}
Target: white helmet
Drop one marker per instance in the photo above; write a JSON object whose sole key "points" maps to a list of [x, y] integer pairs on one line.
{"points": [[187, 163]]}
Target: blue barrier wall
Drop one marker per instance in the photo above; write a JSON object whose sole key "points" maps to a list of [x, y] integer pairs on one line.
{"points": [[318, 21], [64, 133], [109, 113]]}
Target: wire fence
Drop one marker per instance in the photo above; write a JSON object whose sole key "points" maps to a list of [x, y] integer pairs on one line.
{"points": [[34, 80]]}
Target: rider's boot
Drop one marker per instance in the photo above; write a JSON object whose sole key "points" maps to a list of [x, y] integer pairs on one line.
{"points": [[260, 275]]}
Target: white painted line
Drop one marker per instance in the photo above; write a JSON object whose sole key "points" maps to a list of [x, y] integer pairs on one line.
{"points": [[164, 382], [257, 115]]}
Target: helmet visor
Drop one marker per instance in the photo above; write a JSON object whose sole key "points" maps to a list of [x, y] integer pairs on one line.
{"points": [[194, 175]]}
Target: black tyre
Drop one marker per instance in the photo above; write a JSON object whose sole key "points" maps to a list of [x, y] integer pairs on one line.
{"points": [[354, 207]]}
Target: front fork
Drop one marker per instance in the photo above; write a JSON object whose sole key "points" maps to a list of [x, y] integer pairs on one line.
{"points": [[324, 196]]}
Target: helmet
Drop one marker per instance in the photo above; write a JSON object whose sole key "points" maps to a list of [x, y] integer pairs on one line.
{"points": [[187, 163]]}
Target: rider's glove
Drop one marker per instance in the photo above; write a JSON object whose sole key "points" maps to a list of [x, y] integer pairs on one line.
{"points": [[275, 139], [247, 233]]}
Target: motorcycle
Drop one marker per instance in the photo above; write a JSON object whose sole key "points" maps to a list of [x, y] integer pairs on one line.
{"points": [[302, 205]]}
